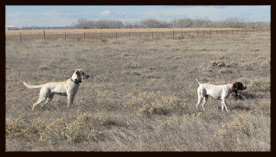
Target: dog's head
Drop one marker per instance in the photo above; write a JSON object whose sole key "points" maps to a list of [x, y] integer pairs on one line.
{"points": [[238, 86], [79, 74]]}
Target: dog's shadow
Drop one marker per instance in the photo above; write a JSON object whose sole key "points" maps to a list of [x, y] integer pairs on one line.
{"points": [[242, 108], [237, 97], [238, 107]]}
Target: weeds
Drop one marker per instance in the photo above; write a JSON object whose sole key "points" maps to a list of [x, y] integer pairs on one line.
{"points": [[235, 129], [217, 63], [102, 78], [167, 122], [82, 129], [152, 104], [55, 132], [20, 128]]}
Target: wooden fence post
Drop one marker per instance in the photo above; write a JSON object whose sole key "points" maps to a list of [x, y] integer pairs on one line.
{"points": [[65, 36], [140, 34], [152, 35], [116, 35], [101, 36], [43, 34], [20, 37], [173, 34], [83, 36]]}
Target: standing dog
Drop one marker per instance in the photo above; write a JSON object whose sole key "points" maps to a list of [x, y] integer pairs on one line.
{"points": [[217, 92], [67, 88]]}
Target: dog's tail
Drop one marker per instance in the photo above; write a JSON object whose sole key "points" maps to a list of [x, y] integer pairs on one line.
{"points": [[198, 81], [32, 86]]}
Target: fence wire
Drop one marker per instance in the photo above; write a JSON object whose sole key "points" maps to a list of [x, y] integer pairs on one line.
{"points": [[127, 35]]}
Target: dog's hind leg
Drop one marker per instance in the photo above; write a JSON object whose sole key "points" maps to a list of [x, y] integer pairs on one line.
{"points": [[200, 98], [43, 95], [204, 101], [39, 101], [49, 99], [201, 93]]}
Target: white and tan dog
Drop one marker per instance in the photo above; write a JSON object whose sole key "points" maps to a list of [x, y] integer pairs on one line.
{"points": [[67, 88], [217, 91]]}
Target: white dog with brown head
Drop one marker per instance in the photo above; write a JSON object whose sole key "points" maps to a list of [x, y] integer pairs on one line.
{"points": [[218, 92]]}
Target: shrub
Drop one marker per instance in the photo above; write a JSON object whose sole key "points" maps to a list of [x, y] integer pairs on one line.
{"points": [[150, 103], [167, 123], [86, 127], [238, 128], [152, 108], [217, 63], [102, 78], [55, 132], [225, 71], [20, 128], [192, 116]]}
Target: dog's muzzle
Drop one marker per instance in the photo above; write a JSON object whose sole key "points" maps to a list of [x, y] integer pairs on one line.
{"points": [[244, 88], [86, 77]]}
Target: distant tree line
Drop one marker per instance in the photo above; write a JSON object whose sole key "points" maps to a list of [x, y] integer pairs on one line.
{"points": [[100, 24], [233, 22]]}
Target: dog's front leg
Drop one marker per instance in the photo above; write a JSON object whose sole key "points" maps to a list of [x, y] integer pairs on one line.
{"points": [[223, 103], [70, 100]]}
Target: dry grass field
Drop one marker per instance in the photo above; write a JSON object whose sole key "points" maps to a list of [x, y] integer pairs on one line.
{"points": [[142, 95]]}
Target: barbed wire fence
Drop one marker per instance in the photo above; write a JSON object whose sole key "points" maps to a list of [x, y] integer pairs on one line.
{"points": [[173, 34]]}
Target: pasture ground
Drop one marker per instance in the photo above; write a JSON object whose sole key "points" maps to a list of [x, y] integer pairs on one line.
{"points": [[142, 96]]}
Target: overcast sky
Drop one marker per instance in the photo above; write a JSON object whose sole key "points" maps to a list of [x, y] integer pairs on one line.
{"points": [[39, 15]]}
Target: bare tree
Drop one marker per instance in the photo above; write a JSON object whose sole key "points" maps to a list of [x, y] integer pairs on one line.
{"points": [[183, 23], [105, 24], [115, 24], [129, 24], [235, 22], [82, 23], [153, 23], [258, 25]]}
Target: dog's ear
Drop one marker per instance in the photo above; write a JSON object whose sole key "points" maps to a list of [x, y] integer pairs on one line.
{"points": [[240, 85], [78, 73], [235, 85], [235, 88]]}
